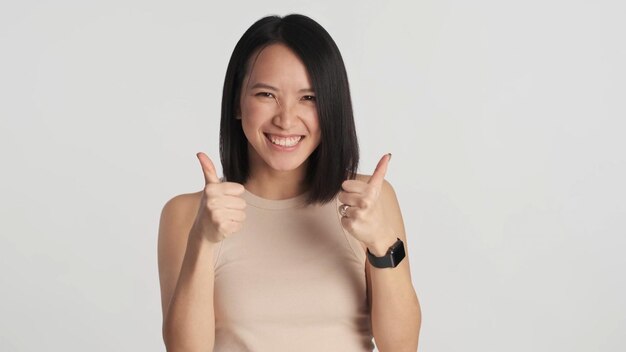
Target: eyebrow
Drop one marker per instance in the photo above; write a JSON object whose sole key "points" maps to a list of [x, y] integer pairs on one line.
{"points": [[267, 86]]}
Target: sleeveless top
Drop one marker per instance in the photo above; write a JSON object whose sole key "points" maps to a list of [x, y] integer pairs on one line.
{"points": [[291, 280]]}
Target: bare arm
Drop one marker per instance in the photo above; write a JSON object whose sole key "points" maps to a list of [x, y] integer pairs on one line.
{"points": [[396, 312], [186, 275], [191, 227], [374, 218]]}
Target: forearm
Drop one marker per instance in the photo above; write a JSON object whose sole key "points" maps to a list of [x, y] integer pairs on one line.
{"points": [[395, 311], [190, 319]]}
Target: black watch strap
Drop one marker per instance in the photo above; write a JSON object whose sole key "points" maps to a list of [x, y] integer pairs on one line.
{"points": [[391, 259]]}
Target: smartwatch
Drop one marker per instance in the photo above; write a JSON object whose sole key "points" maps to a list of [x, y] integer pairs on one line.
{"points": [[391, 259]]}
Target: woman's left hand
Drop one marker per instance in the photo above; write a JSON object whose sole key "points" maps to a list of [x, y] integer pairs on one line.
{"points": [[365, 219]]}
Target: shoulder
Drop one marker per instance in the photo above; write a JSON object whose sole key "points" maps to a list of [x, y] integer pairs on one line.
{"points": [[183, 200], [177, 216]]}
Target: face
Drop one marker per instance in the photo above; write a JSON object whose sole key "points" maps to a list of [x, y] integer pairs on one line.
{"points": [[278, 103]]}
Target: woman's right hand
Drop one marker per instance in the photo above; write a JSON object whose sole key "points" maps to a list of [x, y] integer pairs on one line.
{"points": [[221, 212]]}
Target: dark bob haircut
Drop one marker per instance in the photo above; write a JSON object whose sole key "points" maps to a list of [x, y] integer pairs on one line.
{"points": [[336, 158]]}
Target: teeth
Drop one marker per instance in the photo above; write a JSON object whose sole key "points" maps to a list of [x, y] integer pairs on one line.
{"points": [[285, 142]]}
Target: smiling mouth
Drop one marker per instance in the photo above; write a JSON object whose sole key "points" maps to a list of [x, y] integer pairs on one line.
{"points": [[284, 142]]}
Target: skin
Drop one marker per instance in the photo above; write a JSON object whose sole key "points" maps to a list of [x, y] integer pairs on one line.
{"points": [[287, 108], [374, 216]]}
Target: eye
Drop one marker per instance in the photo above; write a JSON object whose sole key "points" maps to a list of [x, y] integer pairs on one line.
{"points": [[265, 94], [309, 97]]}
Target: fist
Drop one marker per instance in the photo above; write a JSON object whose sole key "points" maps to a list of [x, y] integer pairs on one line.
{"points": [[222, 209], [363, 215]]}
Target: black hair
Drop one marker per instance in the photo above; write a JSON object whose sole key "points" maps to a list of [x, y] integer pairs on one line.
{"points": [[336, 158]]}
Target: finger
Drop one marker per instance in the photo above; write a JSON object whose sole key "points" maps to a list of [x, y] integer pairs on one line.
{"points": [[224, 217], [232, 188], [210, 176], [350, 212], [229, 227], [381, 169], [234, 215], [232, 227], [351, 199], [354, 186], [225, 189], [234, 202]]}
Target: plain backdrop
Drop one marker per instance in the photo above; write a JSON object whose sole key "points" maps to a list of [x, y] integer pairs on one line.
{"points": [[505, 120]]}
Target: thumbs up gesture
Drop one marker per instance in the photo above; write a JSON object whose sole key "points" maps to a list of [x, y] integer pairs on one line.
{"points": [[221, 211], [362, 213]]}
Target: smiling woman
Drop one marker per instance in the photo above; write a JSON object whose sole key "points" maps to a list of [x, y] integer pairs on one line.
{"points": [[278, 116], [289, 73], [291, 250]]}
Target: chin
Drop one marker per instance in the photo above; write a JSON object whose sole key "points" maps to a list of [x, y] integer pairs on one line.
{"points": [[285, 166]]}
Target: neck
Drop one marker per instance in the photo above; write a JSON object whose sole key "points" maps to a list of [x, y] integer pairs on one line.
{"points": [[274, 184]]}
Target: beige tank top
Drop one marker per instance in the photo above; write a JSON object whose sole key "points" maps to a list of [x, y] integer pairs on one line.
{"points": [[291, 280]]}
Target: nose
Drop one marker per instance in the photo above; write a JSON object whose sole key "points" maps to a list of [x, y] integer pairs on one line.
{"points": [[286, 116]]}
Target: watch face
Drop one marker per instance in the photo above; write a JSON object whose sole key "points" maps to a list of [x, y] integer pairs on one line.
{"points": [[396, 246], [397, 253]]}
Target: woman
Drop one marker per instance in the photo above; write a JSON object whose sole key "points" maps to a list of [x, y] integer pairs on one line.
{"points": [[290, 250]]}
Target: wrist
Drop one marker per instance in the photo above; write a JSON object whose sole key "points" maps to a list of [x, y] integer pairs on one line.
{"points": [[380, 247]]}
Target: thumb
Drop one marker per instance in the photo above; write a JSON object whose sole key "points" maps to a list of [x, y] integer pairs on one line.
{"points": [[381, 169], [210, 176]]}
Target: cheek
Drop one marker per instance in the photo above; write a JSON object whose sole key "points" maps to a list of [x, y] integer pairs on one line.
{"points": [[315, 131], [253, 116], [255, 109], [313, 121]]}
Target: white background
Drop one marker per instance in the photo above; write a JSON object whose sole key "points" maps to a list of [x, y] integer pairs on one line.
{"points": [[505, 120]]}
